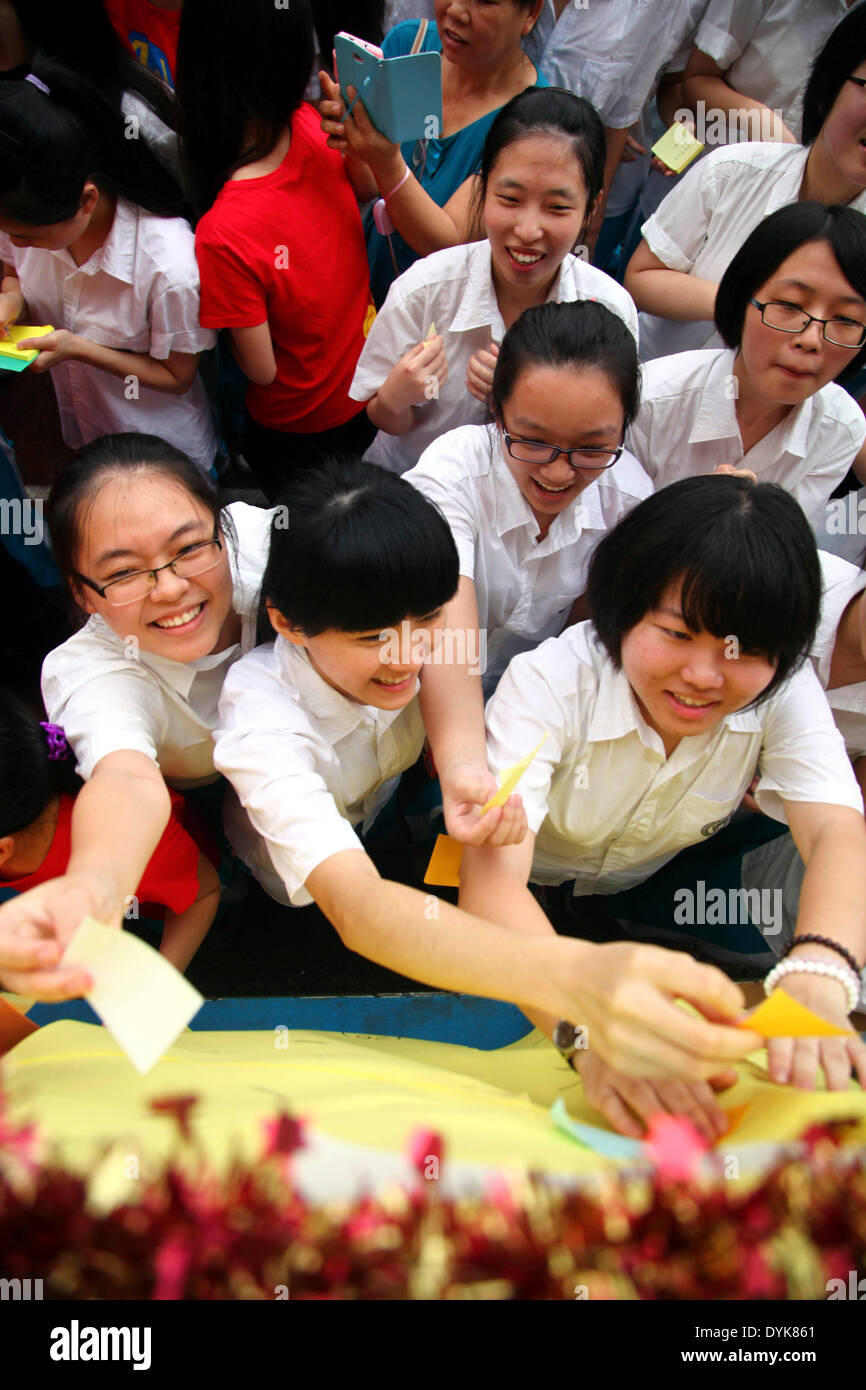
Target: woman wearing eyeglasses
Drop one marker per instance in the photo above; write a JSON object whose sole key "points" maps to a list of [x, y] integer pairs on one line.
{"points": [[170, 583], [690, 240], [528, 498], [791, 308]]}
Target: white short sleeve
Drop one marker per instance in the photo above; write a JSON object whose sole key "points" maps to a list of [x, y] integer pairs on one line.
{"points": [[440, 476], [727, 28], [101, 711], [678, 228], [396, 328], [803, 756], [523, 708]]}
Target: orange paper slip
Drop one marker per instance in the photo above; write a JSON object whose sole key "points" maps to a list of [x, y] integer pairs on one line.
{"points": [[14, 1026], [443, 871], [782, 1016]]}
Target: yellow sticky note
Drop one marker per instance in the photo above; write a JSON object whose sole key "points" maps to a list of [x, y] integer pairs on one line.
{"points": [[443, 871], [431, 331], [509, 777], [782, 1016], [18, 333], [677, 147], [142, 1000]]}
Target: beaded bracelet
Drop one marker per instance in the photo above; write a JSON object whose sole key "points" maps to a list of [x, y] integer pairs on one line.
{"points": [[849, 981], [823, 941]]}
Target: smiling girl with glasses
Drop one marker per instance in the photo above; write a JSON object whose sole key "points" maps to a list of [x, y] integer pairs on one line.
{"points": [[791, 309], [169, 584], [528, 498]]}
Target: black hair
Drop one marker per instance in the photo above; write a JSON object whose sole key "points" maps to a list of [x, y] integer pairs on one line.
{"points": [[547, 111], [28, 778], [744, 553], [363, 18], [363, 549], [113, 456], [52, 144], [80, 34], [844, 50], [241, 73], [575, 334], [772, 242]]}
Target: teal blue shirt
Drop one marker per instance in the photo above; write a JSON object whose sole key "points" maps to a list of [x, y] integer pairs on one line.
{"points": [[441, 165]]}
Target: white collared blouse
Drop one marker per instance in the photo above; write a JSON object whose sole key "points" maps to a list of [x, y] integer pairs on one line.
{"points": [[307, 765], [687, 424], [608, 808], [454, 290], [524, 587], [107, 699]]}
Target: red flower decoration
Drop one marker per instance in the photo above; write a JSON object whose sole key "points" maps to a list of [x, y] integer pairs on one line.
{"points": [[674, 1146], [179, 1107], [426, 1149], [283, 1135]]}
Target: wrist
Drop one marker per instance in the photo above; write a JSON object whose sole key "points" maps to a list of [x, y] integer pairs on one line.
{"points": [[389, 398], [388, 170]]}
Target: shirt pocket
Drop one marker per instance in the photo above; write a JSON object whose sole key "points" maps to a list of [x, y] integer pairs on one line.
{"points": [[699, 818]]}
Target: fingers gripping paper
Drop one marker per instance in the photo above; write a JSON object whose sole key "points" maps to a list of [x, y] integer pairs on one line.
{"points": [[509, 777], [142, 1000], [782, 1016]]}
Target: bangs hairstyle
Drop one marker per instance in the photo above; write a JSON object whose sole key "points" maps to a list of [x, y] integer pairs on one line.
{"points": [[777, 238], [362, 551], [744, 553], [119, 456], [52, 144], [28, 777], [844, 50], [573, 335], [240, 68], [546, 111]]}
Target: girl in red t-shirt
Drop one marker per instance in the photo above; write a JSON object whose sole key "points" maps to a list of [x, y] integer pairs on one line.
{"points": [[39, 789], [280, 245]]}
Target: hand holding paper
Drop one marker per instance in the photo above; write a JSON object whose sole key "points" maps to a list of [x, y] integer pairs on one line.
{"points": [[12, 357], [509, 778], [142, 1000]]}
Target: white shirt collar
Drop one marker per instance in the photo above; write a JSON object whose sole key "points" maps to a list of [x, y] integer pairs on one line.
{"points": [[479, 307], [116, 256], [716, 416], [336, 716], [513, 512]]}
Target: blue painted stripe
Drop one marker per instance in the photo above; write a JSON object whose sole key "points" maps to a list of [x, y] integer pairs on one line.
{"points": [[449, 1018]]}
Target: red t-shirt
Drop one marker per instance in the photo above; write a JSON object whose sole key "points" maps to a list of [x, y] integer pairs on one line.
{"points": [[171, 877], [149, 31], [289, 248]]}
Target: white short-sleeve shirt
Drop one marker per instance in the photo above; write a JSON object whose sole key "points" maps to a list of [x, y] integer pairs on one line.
{"points": [[524, 587], [611, 52], [306, 763], [139, 292], [606, 805], [704, 220], [687, 424], [454, 290], [107, 701], [767, 47], [841, 583]]}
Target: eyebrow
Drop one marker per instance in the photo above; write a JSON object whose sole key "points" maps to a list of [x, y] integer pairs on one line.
{"points": [[134, 554], [524, 423], [810, 289], [671, 613], [548, 192]]}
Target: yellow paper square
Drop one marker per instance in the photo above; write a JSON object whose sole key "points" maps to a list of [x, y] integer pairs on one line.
{"points": [[509, 777], [144, 1002], [443, 871], [18, 333], [677, 147], [431, 331], [782, 1016]]}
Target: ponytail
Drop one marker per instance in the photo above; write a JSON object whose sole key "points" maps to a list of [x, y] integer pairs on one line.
{"points": [[57, 132], [36, 765]]}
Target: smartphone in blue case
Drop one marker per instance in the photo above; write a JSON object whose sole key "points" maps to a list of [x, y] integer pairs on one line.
{"points": [[402, 96]]}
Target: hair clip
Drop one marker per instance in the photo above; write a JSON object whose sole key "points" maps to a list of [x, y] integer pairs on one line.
{"points": [[37, 82], [58, 748]]}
